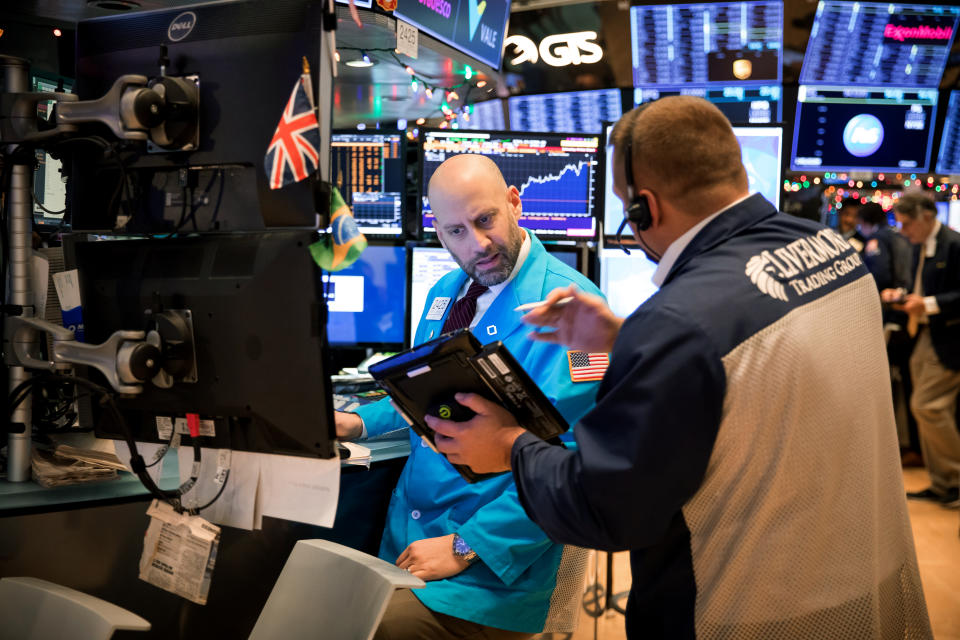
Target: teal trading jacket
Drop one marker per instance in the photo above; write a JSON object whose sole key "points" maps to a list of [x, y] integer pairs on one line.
{"points": [[510, 587]]}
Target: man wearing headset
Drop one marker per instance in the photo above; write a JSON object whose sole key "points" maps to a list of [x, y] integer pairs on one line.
{"points": [[755, 499]]}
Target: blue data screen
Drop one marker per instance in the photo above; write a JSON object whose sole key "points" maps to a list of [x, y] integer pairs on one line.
{"points": [[581, 111], [948, 160], [555, 174], [877, 44], [867, 129], [726, 42], [486, 115], [367, 300]]}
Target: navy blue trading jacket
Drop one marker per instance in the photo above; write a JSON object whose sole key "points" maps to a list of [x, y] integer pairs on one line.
{"points": [[743, 446]]}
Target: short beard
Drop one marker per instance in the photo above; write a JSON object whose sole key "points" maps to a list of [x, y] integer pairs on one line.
{"points": [[509, 254]]}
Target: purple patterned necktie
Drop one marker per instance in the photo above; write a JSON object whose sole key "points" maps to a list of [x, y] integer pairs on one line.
{"points": [[463, 310]]}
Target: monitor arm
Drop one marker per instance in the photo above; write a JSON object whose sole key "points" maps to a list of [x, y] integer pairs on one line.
{"points": [[128, 359], [162, 110]]}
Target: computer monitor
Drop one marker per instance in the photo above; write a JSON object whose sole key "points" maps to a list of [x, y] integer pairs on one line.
{"points": [[246, 57], [948, 213], [556, 175], [366, 302], [583, 111], [760, 151], [706, 44], [49, 182], [742, 104], [254, 303], [948, 160], [878, 44], [485, 115], [868, 129], [427, 266], [567, 254], [626, 279], [369, 169]]}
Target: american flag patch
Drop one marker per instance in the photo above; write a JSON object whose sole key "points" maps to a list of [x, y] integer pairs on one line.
{"points": [[587, 367]]}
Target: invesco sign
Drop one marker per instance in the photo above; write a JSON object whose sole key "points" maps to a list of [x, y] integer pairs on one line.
{"points": [[181, 26], [558, 50]]}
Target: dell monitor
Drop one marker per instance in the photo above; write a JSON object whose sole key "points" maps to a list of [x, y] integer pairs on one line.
{"points": [[866, 129], [246, 316], [427, 266], [244, 58], [583, 111], [556, 175], [878, 44], [948, 160], [366, 302], [369, 170]]}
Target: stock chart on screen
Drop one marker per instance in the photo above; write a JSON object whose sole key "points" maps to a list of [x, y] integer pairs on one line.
{"points": [[555, 174], [369, 170], [878, 44]]}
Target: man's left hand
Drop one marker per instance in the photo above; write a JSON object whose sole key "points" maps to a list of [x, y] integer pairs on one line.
{"points": [[432, 559], [482, 443]]}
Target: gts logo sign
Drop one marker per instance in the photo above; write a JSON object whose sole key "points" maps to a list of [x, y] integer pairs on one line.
{"points": [[181, 26]]}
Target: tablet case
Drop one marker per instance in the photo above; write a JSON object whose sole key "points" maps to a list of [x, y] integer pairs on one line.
{"points": [[433, 372]]}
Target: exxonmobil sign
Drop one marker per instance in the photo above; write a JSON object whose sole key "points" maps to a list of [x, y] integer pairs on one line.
{"points": [[920, 34]]}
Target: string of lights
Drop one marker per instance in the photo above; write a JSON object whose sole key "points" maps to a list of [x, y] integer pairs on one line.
{"points": [[883, 188], [450, 94]]}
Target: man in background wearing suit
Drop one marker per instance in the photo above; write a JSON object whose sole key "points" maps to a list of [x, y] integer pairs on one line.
{"points": [[933, 309]]}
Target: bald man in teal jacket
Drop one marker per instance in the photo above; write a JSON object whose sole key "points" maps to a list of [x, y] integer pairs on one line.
{"points": [[504, 571]]}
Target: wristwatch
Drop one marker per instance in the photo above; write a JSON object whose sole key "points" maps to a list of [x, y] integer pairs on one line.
{"points": [[462, 550]]}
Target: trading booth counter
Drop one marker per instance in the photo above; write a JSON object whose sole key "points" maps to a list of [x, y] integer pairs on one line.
{"points": [[90, 538]]}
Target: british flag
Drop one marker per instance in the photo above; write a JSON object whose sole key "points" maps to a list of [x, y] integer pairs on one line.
{"points": [[587, 367], [293, 153]]}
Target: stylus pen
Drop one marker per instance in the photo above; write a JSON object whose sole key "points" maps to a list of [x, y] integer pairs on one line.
{"points": [[533, 305]]}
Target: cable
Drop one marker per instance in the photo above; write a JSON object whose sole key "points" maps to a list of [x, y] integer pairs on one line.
{"points": [[136, 460]]}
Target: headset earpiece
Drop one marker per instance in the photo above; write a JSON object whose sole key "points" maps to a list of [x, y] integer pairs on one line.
{"points": [[639, 212]]}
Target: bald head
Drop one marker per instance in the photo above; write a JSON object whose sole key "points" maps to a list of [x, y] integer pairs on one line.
{"points": [[684, 149], [461, 172], [476, 216]]}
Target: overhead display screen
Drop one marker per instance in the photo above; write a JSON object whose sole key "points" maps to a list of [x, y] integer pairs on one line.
{"points": [[874, 43], [486, 115], [730, 42], [742, 104], [582, 111], [476, 27], [868, 129], [948, 160]]}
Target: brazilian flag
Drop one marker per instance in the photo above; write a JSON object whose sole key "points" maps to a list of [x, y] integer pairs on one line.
{"points": [[340, 248]]}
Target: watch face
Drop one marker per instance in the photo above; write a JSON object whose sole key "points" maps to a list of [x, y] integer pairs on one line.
{"points": [[460, 546]]}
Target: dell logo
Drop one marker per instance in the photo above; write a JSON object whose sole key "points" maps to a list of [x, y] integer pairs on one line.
{"points": [[181, 26]]}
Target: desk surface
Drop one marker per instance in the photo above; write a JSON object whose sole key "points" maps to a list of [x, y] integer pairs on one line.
{"points": [[15, 496]]}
